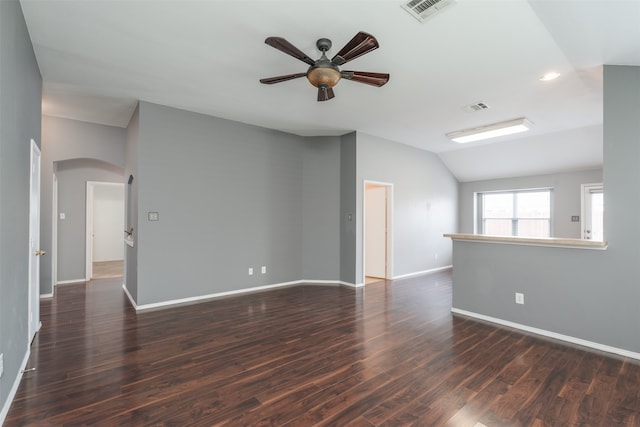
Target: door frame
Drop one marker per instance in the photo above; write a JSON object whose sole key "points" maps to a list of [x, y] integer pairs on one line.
{"points": [[389, 236], [34, 241], [584, 190], [91, 185], [54, 234]]}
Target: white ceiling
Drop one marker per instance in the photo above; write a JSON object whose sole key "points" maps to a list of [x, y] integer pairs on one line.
{"points": [[98, 57]]}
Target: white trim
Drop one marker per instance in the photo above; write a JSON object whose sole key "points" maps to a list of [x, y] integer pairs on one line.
{"points": [[71, 282], [14, 388], [131, 300], [202, 298], [88, 230], [583, 208], [54, 232], [352, 285], [44, 296], [543, 332], [321, 282], [419, 273]]}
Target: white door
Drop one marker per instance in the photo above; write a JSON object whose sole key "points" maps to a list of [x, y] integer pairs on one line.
{"points": [[34, 242], [375, 231], [593, 212]]}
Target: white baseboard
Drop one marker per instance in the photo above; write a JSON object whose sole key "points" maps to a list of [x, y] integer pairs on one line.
{"points": [[131, 300], [545, 333], [71, 282], [43, 296], [234, 292], [352, 285], [333, 282], [14, 388], [321, 282], [419, 273]]}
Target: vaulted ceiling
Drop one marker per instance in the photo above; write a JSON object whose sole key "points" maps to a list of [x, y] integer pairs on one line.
{"points": [[98, 57]]}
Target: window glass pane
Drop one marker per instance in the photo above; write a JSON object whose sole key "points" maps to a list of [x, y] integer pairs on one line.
{"points": [[498, 205], [498, 227], [534, 204], [516, 213], [533, 228]]}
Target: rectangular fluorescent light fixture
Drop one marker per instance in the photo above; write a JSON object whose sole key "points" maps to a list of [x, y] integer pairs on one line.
{"points": [[491, 131]]}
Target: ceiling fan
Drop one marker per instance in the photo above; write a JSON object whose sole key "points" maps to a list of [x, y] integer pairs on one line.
{"points": [[324, 73]]}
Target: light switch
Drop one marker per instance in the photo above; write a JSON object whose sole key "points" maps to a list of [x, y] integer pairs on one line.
{"points": [[153, 216], [62, 215]]}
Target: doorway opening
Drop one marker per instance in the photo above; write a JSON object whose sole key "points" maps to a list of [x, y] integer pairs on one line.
{"points": [[377, 237], [105, 228]]}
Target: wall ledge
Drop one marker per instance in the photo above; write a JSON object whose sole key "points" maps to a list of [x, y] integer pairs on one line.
{"points": [[554, 242]]}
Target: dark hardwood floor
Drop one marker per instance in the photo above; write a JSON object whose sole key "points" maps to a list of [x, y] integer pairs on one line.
{"points": [[310, 355]]}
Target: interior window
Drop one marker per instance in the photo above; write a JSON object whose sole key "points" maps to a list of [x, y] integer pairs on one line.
{"points": [[525, 213]]}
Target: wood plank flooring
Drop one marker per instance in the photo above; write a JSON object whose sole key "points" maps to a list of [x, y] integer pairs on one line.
{"points": [[389, 355], [108, 269]]}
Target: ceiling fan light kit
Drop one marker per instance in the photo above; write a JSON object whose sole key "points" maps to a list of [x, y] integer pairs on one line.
{"points": [[324, 73], [491, 131]]}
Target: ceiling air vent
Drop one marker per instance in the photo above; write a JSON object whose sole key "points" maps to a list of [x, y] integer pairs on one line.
{"points": [[478, 106], [422, 9]]}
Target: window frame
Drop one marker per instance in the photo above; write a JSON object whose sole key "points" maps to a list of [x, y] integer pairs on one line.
{"points": [[479, 220]]}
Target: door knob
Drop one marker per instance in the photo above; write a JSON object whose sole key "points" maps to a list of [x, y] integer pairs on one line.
{"points": [[39, 252]]}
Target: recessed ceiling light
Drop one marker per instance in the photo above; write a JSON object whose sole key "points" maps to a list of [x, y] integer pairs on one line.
{"points": [[491, 131], [550, 76]]}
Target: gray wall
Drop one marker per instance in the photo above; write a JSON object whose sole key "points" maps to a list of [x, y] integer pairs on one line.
{"points": [[72, 191], [425, 203], [20, 109], [591, 295], [566, 197], [64, 139], [229, 196], [321, 208]]}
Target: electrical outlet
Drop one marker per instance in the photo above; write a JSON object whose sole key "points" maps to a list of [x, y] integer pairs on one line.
{"points": [[250, 271], [263, 269], [436, 255], [519, 298], [1, 364]]}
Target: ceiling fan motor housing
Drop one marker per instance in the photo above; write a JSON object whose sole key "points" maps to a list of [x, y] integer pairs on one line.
{"points": [[323, 73]]}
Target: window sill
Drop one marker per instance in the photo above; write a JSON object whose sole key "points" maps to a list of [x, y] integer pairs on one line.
{"points": [[554, 242]]}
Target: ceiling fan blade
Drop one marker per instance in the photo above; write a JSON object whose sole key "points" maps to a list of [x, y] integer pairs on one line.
{"points": [[278, 79], [373, 79], [325, 93], [284, 46], [359, 45]]}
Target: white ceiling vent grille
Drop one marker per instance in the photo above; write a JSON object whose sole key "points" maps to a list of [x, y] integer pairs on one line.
{"points": [[478, 106], [422, 9]]}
